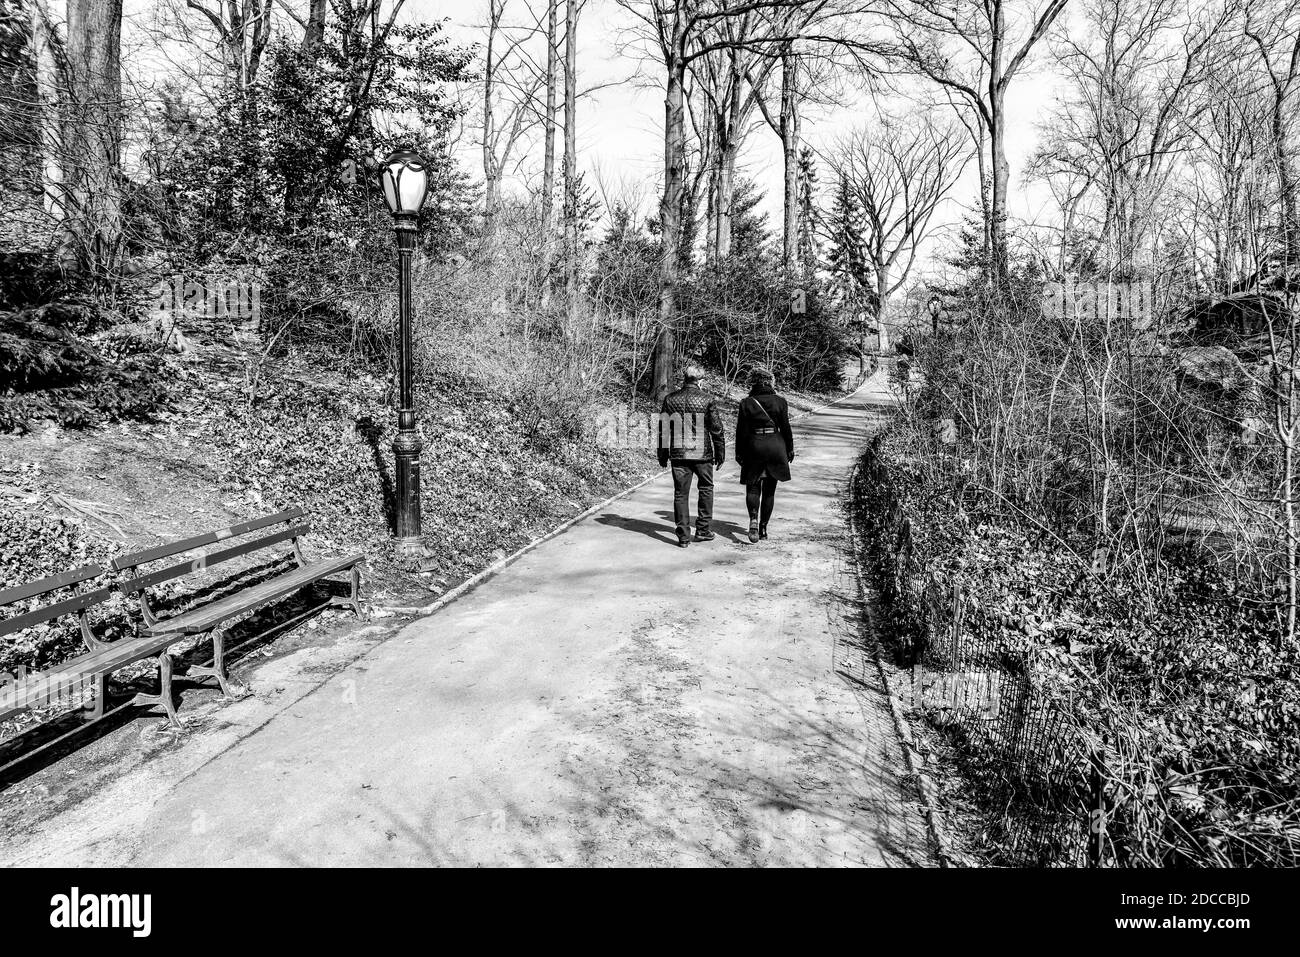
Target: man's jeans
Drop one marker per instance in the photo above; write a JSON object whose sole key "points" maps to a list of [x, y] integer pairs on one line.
{"points": [[682, 472]]}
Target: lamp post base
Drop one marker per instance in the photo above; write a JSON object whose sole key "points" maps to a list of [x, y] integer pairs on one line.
{"points": [[407, 524], [410, 547]]}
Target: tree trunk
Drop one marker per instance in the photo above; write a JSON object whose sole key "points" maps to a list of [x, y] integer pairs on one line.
{"points": [[261, 35], [986, 210], [711, 206], [47, 116], [94, 132], [790, 158], [882, 303], [729, 136], [725, 199], [1285, 180], [313, 35], [670, 220], [1001, 182], [490, 172], [548, 160], [571, 156]]}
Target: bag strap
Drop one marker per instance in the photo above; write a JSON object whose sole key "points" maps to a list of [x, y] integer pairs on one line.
{"points": [[771, 424]]}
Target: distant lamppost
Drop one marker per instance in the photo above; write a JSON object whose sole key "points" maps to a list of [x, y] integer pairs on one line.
{"points": [[405, 180], [862, 320], [935, 308]]}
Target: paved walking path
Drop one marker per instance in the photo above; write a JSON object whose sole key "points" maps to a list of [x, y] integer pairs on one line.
{"points": [[608, 699]]}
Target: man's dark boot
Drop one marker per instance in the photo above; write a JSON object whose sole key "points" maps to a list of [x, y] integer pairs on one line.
{"points": [[683, 542], [704, 536]]}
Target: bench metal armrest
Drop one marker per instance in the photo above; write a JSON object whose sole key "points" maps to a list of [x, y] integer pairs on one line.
{"points": [[92, 643]]}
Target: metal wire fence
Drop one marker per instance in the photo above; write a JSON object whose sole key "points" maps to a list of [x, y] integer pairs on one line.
{"points": [[1035, 770]]}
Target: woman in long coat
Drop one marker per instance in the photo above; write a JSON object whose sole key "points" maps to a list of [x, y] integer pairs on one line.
{"points": [[764, 448]]}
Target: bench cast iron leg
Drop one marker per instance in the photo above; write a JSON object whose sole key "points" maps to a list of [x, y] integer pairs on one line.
{"points": [[353, 600], [356, 590], [218, 667], [164, 697]]}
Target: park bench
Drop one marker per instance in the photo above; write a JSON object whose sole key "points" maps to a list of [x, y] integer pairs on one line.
{"points": [[90, 586], [211, 617], [18, 693]]}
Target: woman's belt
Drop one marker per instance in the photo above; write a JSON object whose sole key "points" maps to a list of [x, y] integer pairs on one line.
{"points": [[765, 431]]}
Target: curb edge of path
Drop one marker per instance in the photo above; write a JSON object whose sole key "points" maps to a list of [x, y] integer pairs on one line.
{"points": [[479, 577], [934, 819]]}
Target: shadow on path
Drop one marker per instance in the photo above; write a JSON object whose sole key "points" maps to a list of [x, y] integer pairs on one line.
{"points": [[667, 532], [658, 532]]}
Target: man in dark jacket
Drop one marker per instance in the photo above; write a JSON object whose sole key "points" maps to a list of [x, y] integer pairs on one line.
{"points": [[692, 439]]}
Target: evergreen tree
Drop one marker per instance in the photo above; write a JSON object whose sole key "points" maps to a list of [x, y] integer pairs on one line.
{"points": [[845, 259], [809, 215], [750, 234]]}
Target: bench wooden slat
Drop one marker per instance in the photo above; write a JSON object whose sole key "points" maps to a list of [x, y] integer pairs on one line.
{"points": [[133, 585], [65, 607], [10, 595], [167, 549], [117, 655], [205, 617], [39, 688]]}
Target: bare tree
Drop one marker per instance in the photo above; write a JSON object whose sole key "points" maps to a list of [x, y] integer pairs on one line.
{"points": [[1273, 30], [571, 155], [242, 29], [678, 33], [730, 81], [898, 172], [788, 129], [548, 134], [975, 50], [510, 86], [811, 53], [1225, 183], [786, 126], [1133, 104]]}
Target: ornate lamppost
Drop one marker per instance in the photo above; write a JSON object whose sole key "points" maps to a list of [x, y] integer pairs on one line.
{"points": [[405, 180]]}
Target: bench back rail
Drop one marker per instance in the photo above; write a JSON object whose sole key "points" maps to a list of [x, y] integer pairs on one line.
{"points": [[77, 604], [140, 583]]}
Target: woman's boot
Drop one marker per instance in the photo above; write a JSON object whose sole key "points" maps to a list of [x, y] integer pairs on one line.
{"points": [[753, 531]]}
